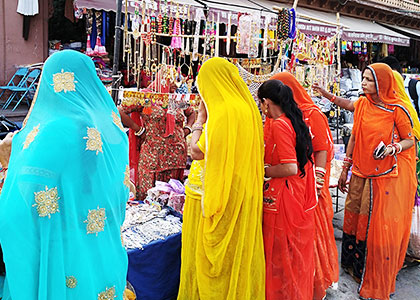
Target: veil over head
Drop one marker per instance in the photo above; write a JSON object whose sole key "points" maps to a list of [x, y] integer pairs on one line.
{"points": [[63, 200]]}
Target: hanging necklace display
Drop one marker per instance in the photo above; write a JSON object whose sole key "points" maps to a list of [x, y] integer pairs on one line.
{"points": [[254, 40], [126, 35], [171, 20], [154, 59], [265, 42], [176, 42], [165, 19], [188, 32], [198, 15], [229, 30]]}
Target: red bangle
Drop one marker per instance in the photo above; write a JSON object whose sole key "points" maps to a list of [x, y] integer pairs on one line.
{"points": [[333, 98]]}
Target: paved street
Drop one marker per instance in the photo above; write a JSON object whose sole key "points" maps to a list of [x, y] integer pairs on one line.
{"points": [[408, 280]]}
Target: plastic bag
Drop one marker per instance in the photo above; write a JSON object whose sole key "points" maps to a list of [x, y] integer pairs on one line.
{"points": [[414, 244]]}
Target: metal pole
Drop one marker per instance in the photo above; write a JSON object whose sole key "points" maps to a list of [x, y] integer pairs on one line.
{"points": [[117, 46]]}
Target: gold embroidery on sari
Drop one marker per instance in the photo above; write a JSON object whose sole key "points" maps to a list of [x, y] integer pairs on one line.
{"points": [[94, 141], [46, 202], [108, 294], [31, 136], [127, 177], [71, 282], [95, 220], [64, 81], [117, 120]]}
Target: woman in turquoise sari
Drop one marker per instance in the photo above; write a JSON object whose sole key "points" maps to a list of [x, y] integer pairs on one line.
{"points": [[63, 200]]}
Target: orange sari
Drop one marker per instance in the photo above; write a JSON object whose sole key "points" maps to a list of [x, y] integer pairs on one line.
{"points": [[379, 204], [288, 221], [326, 254]]}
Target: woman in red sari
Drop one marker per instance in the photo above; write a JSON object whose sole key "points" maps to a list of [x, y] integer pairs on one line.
{"points": [[158, 149], [326, 255], [289, 196]]}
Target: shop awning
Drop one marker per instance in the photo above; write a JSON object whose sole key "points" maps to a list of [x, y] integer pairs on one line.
{"points": [[409, 32], [111, 5], [354, 30], [367, 31]]}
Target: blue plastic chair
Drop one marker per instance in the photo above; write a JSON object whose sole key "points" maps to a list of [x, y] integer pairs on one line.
{"points": [[21, 72], [29, 85]]}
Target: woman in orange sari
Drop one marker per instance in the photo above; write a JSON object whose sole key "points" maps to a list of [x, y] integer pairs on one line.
{"points": [[380, 197], [326, 255], [289, 196]]}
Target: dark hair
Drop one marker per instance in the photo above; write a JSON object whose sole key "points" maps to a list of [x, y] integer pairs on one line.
{"points": [[282, 96], [392, 62]]}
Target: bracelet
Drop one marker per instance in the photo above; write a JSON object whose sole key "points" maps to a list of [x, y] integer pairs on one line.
{"points": [[333, 98], [196, 129], [188, 127], [348, 160], [140, 131], [399, 147], [320, 171], [394, 149], [345, 167], [197, 126], [266, 178]]}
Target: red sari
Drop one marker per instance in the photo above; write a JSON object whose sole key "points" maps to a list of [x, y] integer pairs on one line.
{"points": [[326, 254], [288, 221]]}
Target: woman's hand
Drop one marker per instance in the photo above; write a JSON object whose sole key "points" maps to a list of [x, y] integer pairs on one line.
{"points": [[317, 88], [342, 181]]}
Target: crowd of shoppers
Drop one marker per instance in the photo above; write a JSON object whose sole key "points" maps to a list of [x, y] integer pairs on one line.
{"points": [[257, 220]]}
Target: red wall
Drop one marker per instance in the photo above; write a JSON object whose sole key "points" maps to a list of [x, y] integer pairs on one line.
{"points": [[14, 50]]}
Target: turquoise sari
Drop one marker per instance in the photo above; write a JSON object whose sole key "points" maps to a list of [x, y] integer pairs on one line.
{"points": [[64, 197]]}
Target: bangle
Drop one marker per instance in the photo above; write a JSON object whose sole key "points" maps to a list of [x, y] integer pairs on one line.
{"points": [[140, 131], [399, 147], [266, 178], [188, 127], [394, 149], [333, 98], [196, 129], [320, 171], [348, 160], [197, 126]]}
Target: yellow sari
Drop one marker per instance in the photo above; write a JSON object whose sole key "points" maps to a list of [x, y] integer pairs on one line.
{"points": [[229, 253], [404, 97]]}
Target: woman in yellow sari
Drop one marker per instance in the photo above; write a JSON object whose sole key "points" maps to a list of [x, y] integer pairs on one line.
{"points": [[222, 245]]}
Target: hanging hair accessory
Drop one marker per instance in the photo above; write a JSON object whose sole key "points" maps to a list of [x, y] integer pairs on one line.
{"points": [[292, 23]]}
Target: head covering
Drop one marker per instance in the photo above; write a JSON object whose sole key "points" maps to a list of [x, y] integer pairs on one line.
{"points": [[230, 233], [307, 106], [300, 95], [407, 102], [386, 86], [63, 201], [369, 116], [229, 105]]}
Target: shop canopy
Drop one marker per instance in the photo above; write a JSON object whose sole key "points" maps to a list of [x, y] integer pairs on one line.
{"points": [[353, 29], [409, 32]]}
